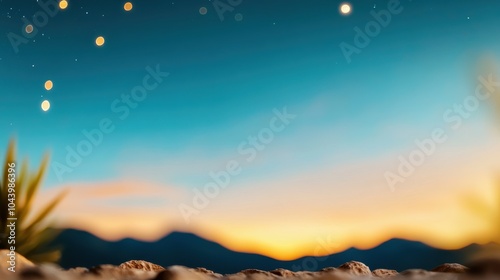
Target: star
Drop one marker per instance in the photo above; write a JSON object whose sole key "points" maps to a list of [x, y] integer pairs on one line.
{"points": [[345, 8]]}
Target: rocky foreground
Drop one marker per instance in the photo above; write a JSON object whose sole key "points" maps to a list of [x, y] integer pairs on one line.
{"points": [[142, 270], [483, 266]]}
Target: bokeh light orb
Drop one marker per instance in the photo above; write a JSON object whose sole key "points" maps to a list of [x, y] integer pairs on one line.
{"points": [[45, 105], [49, 85], [29, 28], [63, 4], [203, 10], [345, 8], [99, 41], [128, 6]]}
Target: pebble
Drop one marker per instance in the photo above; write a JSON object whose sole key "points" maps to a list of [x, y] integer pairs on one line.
{"points": [[356, 268]]}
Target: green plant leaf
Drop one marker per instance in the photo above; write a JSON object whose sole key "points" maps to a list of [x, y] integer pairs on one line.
{"points": [[33, 235]]}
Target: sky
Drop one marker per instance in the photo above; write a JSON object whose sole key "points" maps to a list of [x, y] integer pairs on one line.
{"points": [[263, 125]]}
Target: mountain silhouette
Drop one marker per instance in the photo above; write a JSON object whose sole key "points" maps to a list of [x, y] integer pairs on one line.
{"points": [[82, 249]]}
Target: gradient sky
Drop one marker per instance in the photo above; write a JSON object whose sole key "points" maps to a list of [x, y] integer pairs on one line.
{"points": [[322, 176]]}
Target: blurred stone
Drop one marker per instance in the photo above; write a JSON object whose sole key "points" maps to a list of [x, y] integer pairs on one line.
{"points": [[416, 273], [356, 268], [97, 270], [141, 265], [165, 275], [335, 274], [46, 271], [328, 269], [178, 272], [115, 272], [384, 273], [306, 275], [79, 270], [33, 272], [207, 272], [451, 268], [257, 274], [486, 266], [486, 261], [283, 272], [235, 276], [254, 271]]}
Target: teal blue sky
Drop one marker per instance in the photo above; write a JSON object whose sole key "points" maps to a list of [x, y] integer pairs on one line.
{"points": [[225, 79]]}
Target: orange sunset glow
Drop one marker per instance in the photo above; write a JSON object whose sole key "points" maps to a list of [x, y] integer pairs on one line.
{"points": [[280, 229]]}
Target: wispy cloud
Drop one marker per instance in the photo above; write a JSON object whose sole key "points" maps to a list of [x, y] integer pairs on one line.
{"points": [[282, 214], [118, 209]]}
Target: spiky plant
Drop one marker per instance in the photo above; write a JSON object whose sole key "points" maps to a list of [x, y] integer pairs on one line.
{"points": [[490, 212], [33, 234], [488, 70]]}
